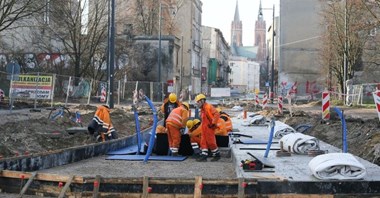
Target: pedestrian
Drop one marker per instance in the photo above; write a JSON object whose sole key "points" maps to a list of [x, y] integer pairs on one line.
{"points": [[175, 123], [101, 126], [169, 104], [349, 89], [210, 117]]}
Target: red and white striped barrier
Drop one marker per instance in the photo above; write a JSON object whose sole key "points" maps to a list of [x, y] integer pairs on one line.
{"points": [[265, 101], [376, 98], [257, 102], [103, 94], [325, 105], [279, 101]]}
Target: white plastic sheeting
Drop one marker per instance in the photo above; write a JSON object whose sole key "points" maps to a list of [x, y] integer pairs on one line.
{"points": [[299, 143], [281, 129], [337, 166]]}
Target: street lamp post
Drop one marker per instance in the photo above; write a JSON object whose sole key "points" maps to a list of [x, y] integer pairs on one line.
{"points": [[111, 51], [272, 77], [159, 53], [345, 49]]}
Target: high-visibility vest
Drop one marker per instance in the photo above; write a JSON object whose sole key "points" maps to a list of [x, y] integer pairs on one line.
{"points": [[228, 122], [176, 117]]}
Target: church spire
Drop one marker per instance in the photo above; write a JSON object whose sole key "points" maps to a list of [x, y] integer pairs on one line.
{"points": [[260, 16], [237, 18]]}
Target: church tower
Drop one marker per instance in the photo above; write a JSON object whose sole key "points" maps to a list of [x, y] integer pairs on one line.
{"points": [[236, 29], [260, 32]]}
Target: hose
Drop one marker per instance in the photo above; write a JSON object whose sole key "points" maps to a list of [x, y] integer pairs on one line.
{"points": [[153, 135], [344, 127], [272, 124], [138, 132]]}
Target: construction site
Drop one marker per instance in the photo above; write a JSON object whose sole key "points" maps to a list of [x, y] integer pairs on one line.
{"points": [[41, 157]]}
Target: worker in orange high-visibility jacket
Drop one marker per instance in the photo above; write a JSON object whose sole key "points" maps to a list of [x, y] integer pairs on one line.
{"points": [[176, 122], [101, 125], [226, 118], [210, 117], [169, 104], [195, 132], [221, 128]]}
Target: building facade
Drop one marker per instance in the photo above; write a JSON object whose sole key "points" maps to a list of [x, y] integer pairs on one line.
{"points": [[215, 57]]}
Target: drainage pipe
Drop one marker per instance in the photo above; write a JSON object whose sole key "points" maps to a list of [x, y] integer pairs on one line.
{"points": [[153, 135], [272, 124], [138, 130], [344, 129]]}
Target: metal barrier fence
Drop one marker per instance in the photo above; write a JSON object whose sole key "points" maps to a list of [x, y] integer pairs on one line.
{"points": [[54, 89]]}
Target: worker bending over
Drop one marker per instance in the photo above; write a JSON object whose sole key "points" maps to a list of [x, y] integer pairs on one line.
{"points": [[221, 128], [101, 125], [210, 117], [176, 122], [195, 132], [226, 118]]}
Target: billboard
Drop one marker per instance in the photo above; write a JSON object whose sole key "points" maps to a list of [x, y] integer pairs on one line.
{"points": [[220, 92], [26, 87]]}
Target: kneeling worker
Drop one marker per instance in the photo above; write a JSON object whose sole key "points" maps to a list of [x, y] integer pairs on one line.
{"points": [[101, 125], [174, 123], [195, 132]]}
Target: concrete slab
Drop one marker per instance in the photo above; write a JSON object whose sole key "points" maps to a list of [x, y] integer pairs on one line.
{"points": [[293, 168]]}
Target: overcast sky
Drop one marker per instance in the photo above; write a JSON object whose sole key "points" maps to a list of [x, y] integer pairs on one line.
{"points": [[220, 13]]}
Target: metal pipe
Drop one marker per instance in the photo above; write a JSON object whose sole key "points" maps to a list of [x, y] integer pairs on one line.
{"points": [[272, 77], [345, 52], [159, 53]]}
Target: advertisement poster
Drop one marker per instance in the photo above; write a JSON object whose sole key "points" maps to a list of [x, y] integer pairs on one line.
{"points": [[27, 86]]}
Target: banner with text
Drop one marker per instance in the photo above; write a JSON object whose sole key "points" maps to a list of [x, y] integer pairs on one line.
{"points": [[27, 85]]}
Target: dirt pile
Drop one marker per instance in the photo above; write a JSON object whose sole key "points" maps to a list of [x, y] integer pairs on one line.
{"points": [[26, 132]]}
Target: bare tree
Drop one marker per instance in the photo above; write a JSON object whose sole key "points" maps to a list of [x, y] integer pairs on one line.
{"points": [[347, 33], [146, 20], [12, 11], [78, 29]]}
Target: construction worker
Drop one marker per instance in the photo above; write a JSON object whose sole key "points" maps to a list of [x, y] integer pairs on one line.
{"points": [[175, 123], [101, 125], [221, 128], [210, 117], [169, 104], [195, 131], [226, 118]]}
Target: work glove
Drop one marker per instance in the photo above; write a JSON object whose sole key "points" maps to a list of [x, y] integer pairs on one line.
{"points": [[212, 126], [182, 130]]}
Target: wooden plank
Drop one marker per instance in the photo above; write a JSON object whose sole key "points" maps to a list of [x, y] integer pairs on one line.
{"points": [[64, 189], [145, 187], [241, 188], [25, 188], [96, 187], [198, 186], [41, 176]]}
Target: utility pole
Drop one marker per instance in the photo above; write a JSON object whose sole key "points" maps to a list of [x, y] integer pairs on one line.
{"points": [[272, 77], [345, 50], [111, 50], [159, 54]]}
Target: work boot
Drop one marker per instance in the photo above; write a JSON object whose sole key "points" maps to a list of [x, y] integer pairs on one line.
{"points": [[175, 154], [202, 158], [216, 158]]}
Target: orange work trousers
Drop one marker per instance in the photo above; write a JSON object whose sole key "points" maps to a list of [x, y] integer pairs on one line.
{"points": [[174, 136], [208, 140]]}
